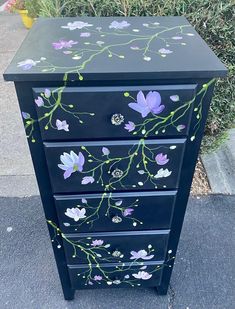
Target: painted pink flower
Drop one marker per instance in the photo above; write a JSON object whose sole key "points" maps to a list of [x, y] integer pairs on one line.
{"points": [[62, 125], [130, 126], [161, 159], [87, 179], [71, 163], [141, 254], [119, 25], [98, 278], [144, 275], [97, 242], [180, 127], [128, 212], [39, 101], [63, 44], [150, 104]]}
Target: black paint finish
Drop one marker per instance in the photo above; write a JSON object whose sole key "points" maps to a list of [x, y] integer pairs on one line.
{"points": [[122, 150], [77, 280], [89, 100], [192, 60], [141, 216], [152, 210]]}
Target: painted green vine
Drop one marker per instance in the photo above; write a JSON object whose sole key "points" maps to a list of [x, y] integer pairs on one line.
{"points": [[95, 252]]}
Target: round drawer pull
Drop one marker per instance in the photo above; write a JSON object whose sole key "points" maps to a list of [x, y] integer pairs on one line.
{"points": [[117, 173], [116, 253], [117, 119], [116, 219]]}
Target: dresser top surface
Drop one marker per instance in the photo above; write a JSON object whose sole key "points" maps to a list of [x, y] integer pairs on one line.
{"points": [[113, 48]]}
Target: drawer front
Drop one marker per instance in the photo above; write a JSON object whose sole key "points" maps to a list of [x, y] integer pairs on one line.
{"points": [[108, 166], [114, 112], [115, 211], [113, 275], [116, 247]]}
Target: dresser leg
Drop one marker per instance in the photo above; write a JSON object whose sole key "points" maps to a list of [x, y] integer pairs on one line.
{"points": [[161, 290], [68, 294]]}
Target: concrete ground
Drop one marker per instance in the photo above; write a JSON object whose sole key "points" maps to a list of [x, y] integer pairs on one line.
{"points": [[203, 277]]}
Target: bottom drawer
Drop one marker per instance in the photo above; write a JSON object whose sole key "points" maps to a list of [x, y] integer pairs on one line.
{"points": [[112, 275]]}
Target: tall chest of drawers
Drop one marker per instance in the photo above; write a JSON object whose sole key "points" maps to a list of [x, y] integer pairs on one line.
{"points": [[114, 110]]}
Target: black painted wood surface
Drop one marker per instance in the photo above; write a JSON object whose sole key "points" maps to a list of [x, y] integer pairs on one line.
{"points": [[114, 110]]}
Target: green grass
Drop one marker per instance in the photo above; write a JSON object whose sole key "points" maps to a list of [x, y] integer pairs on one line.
{"points": [[213, 19]]}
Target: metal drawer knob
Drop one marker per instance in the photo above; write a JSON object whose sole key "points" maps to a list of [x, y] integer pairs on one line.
{"points": [[117, 119], [116, 253], [116, 219], [117, 173]]}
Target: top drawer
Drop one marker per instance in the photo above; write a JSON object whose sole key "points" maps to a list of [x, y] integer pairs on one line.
{"points": [[84, 113]]}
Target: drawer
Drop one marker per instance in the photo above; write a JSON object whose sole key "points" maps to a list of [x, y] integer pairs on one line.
{"points": [[121, 165], [86, 113], [115, 247], [113, 275], [115, 211]]}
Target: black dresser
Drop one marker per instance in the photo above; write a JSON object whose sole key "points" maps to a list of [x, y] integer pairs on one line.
{"points": [[114, 111]]}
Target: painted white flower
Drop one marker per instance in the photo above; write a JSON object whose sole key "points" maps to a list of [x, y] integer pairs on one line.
{"points": [[163, 173], [76, 25], [141, 254], [75, 213], [144, 275], [62, 125]]}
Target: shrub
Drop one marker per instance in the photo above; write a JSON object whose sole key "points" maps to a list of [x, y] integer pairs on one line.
{"points": [[213, 19]]}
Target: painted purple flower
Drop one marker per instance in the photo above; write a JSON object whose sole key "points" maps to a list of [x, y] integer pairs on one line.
{"points": [[141, 254], [130, 126], [71, 163], [76, 25], [98, 278], [87, 179], [75, 213], [152, 103], [63, 44], [144, 275], [128, 212], [47, 93], [97, 242], [85, 34], [25, 115], [180, 127], [119, 25], [105, 151], [27, 64], [39, 101], [165, 51], [62, 125], [174, 98], [161, 159]]}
